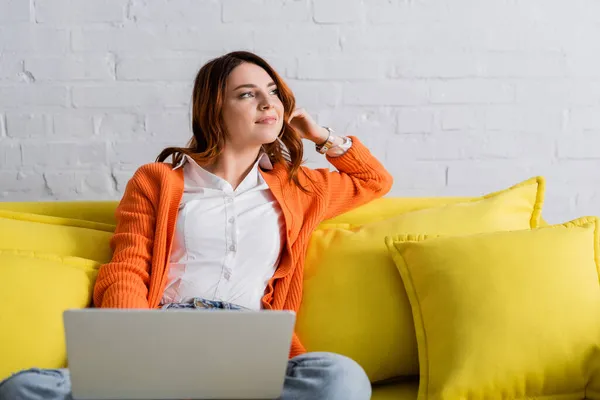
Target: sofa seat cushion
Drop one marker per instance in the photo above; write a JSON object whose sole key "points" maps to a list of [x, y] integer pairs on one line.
{"points": [[396, 391]]}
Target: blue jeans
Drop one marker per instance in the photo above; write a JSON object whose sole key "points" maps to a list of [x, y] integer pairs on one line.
{"points": [[310, 376]]}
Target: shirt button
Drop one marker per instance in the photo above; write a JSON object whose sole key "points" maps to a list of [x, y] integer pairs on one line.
{"points": [[231, 219], [229, 199], [232, 247], [227, 275]]}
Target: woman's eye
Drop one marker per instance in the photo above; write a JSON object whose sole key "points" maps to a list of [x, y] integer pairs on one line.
{"points": [[275, 91], [245, 94]]}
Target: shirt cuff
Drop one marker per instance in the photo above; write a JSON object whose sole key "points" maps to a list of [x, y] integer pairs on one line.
{"points": [[341, 149]]}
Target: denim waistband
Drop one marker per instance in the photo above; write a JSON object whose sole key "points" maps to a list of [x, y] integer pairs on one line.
{"points": [[201, 303]]}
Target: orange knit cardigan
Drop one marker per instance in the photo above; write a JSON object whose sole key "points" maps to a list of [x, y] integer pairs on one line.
{"points": [[137, 274]]}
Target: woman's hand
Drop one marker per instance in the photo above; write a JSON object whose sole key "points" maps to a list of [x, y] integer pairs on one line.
{"points": [[307, 127]]}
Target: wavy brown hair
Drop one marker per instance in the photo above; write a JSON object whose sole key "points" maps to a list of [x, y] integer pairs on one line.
{"points": [[208, 127]]}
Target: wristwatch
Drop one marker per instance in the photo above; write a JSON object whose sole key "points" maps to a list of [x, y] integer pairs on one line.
{"points": [[323, 147]]}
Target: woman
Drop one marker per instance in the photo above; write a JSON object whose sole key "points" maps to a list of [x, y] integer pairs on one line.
{"points": [[226, 224]]}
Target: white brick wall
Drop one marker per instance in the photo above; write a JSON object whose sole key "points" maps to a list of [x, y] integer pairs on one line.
{"points": [[457, 97]]}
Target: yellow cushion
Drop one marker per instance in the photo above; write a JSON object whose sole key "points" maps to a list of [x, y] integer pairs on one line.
{"points": [[504, 314], [354, 302], [94, 211], [35, 289], [55, 235]]}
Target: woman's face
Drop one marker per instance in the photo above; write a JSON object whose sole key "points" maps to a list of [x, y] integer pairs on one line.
{"points": [[252, 110]]}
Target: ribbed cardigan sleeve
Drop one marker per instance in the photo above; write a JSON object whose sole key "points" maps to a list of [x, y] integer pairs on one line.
{"points": [[124, 281], [359, 178]]}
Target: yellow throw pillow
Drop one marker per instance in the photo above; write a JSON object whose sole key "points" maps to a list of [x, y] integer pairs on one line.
{"points": [[354, 302], [35, 289], [55, 235], [510, 315], [388, 207]]}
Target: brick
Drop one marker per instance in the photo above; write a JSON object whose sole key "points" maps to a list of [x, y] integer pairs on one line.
{"points": [[176, 125], [588, 203], [32, 96], [314, 39], [27, 125], [12, 11], [369, 124], [468, 91], [139, 40], [522, 65], [22, 184], [462, 118], [202, 39], [117, 125], [338, 11], [71, 68], [73, 184], [28, 38], [131, 95], [491, 175], [80, 11], [524, 118], [340, 68], [583, 64], [314, 95], [414, 120], [416, 174], [574, 174], [560, 205], [587, 118], [471, 145], [73, 125], [10, 68], [403, 37], [435, 64], [570, 12], [285, 66], [558, 92], [580, 145], [372, 39], [266, 11], [10, 155], [406, 93], [376, 141], [482, 35], [159, 68], [394, 12], [136, 153], [121, 177], [187, 12], [64, 155]]}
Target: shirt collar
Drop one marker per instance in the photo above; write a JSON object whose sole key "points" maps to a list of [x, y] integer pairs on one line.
{"points": [[263, 161]]}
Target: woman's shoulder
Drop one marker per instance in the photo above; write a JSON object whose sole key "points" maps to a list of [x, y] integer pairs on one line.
{"points": [[155, 169], [156, 175]]}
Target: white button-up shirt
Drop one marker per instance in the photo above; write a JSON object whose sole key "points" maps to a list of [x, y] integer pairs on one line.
{"points": [[227, 242]]}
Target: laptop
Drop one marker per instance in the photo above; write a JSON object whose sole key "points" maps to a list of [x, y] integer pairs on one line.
{"points": [[131, 354]]}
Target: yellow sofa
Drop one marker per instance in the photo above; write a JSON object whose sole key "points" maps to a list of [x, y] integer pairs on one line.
{"points": [[103, 212], [397, 388]]}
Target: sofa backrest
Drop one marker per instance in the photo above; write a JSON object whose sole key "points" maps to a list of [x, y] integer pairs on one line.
{"points": [[104, 211]]}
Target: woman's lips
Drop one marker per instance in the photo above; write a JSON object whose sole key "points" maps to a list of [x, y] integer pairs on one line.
{"points": [[268, 121]]}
